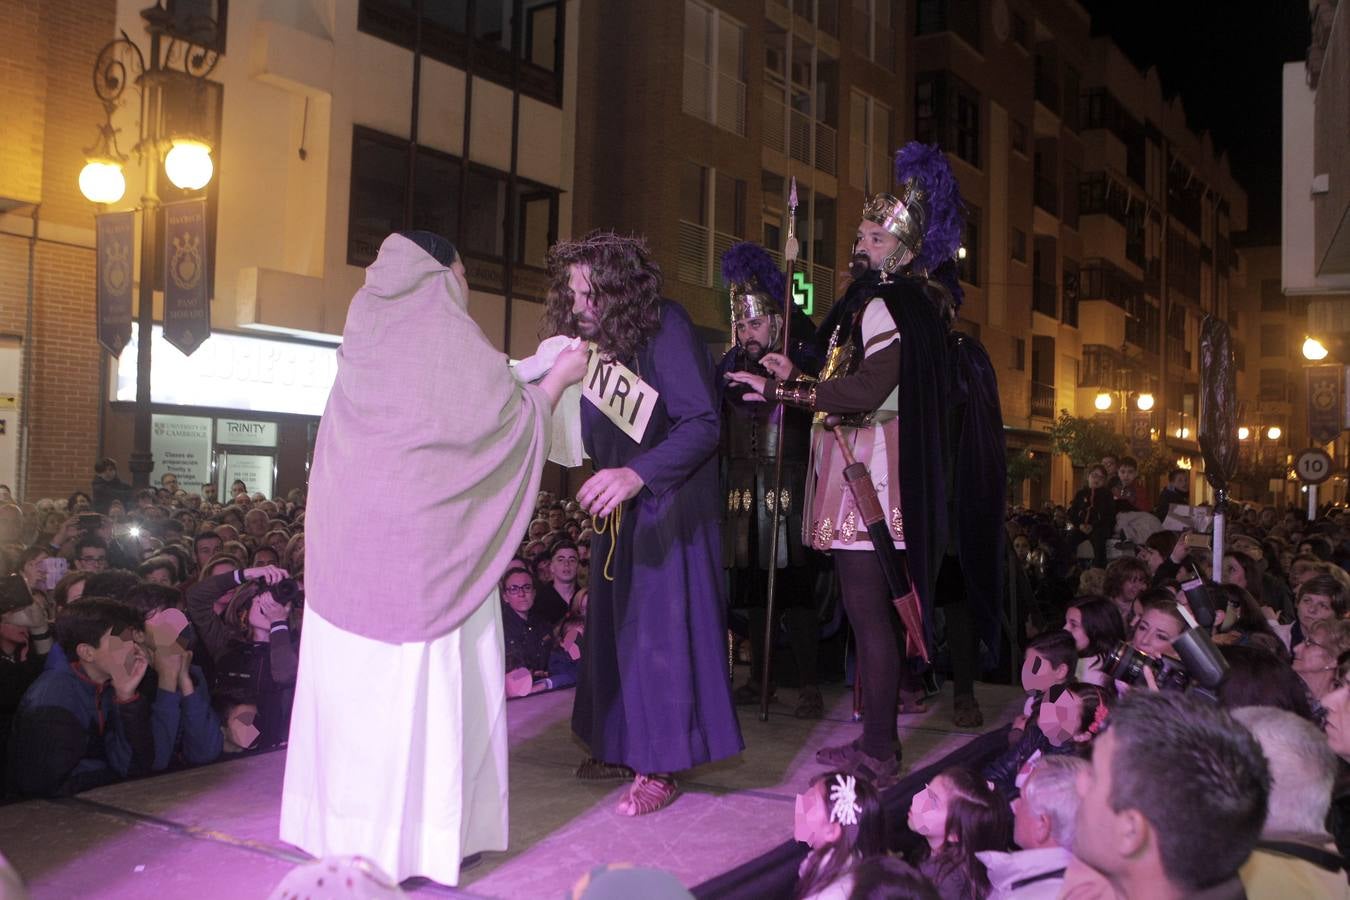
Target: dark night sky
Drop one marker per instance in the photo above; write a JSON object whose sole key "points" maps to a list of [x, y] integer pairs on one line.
{"points": [[1225, 59]]}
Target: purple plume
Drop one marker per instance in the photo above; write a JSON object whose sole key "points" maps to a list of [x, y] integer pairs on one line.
{"points": [[946, 220], [749, 262]]}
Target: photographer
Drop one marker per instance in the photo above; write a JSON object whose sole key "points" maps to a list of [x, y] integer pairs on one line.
{"points": [[251, 647]]}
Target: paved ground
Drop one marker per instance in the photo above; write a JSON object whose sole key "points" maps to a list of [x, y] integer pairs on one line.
{"points": [[211, 832]]}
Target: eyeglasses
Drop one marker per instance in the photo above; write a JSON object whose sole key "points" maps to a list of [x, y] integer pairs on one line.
{"points": [[519, 589], [97, 560]]}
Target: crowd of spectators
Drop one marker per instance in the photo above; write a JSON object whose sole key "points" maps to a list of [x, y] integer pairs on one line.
{"points": [[160, 628], [144, 630]]}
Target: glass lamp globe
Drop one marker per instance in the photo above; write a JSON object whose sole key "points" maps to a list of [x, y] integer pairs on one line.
{"points": [[1314, 349], [1144, 402], [102, 181], [188, 165], [1273, 433], [1102, 401]]}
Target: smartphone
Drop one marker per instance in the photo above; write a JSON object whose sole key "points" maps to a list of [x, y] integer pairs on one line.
{"points": [[90, 521], [54, 568], [1197, 540]]}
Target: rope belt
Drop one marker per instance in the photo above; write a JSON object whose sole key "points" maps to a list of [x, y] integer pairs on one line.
{"points": [[615, 518]]}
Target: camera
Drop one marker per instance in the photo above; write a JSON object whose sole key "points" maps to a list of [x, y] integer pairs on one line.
{"points": [[1200, 667], [287, 591], [1125, 663]]}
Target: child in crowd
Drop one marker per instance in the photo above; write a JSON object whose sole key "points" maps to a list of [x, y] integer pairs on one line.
{"points": [[1050, 659], [1097, 628], [958, 815], [1068, 717], [843, 821]]}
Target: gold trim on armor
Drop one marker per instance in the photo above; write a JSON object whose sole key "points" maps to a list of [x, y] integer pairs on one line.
{"points": [[848, 532], [897, 523], [823, 534]]}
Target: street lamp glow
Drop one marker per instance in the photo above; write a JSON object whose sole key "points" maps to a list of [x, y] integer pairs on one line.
{"points": [[1102, 401], [1314, 349], [960, 252], [188, 165], [102, 181], [1144, 402], [1244, 432], [1273, 433]]}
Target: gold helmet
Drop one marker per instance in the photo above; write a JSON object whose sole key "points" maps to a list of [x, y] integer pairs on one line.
{"points": [[748, 301], [903, 217]]}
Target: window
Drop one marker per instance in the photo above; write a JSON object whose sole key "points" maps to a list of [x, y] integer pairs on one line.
{"points": [[947, 112], [1069, 289], [1071, 105], [379, 192], [712, 218], [1274, 384], [445, 37], [1017, 136], [968, 266], [960, 17], [1017, 245], [714, 68], [1021, 31], [1272, 297], [873, 32], [869, 161], [1020, 354], [1274, 341], [1072, 176]]}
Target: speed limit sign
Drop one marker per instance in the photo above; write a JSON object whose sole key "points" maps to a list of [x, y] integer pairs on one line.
{"points": [[1313, 466]]}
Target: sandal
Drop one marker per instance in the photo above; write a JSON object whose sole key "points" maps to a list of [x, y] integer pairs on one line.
{"points": [[841, 756], [648, 794], [595, 770], [810, 705], [880, 773], [967, 712]]}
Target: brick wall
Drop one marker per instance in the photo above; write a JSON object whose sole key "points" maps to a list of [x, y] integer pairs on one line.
{"points": [[51, 114]]}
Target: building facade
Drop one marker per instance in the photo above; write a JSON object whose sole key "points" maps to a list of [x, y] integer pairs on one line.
{"points": [[333, 125]]}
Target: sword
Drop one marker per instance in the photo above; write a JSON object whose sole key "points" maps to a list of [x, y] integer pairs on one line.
{"points": [[904, 597], [790, 249]]}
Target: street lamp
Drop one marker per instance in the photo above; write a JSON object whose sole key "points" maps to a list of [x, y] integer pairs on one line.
{"points": [[175, 70], [1244, 433], [1144, 402], [1314, 350], [1273, 433], [1102, 401]]}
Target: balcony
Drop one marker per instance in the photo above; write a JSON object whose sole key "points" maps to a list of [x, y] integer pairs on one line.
{"points": [[713, 97], [826, 143], [1044, 297], [693, 254], [1047, 195], [1047, 92], [1042, 400], [775, 127]]}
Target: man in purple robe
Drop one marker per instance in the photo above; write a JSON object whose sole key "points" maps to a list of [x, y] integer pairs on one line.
{"points": [[654, 694]]}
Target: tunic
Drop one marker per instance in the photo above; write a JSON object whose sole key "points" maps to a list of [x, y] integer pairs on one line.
{"points": [[654, 691]]}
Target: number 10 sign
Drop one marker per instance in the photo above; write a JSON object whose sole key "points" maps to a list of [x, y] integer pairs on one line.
{"points": [[1313, 466]]}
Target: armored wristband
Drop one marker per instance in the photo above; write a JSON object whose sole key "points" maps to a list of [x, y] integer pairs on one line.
{"points": [[795, 393]]}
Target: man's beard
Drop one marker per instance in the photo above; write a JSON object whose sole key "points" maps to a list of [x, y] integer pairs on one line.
{"points": [[587, 327], [754, 350]]}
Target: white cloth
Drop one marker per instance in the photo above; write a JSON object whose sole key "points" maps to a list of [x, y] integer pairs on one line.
{"points": [[398, 752], [566, 448], [1005, 869]]}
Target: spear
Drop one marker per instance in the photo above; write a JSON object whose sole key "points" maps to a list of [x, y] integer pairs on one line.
{"points": [[790, 249]]}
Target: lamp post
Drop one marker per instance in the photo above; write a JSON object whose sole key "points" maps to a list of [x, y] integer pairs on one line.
{"points": [[173, 61]]}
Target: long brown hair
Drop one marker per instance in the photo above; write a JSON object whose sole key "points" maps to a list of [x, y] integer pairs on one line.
{"points": [[625, 291]]}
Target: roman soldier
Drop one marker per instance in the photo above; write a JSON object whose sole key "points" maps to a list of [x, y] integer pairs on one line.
{"points": [[749, 449]]}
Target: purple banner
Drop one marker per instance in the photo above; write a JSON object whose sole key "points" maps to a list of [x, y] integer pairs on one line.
{"points": [[187, 298], [1141, 436], [115, 238], [1326, 415]]}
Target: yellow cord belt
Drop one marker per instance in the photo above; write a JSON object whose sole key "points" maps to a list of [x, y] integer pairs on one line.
{"points": [[615, 518]]}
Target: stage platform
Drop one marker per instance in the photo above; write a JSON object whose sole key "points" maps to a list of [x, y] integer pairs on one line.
{"points": [[211, 832]]}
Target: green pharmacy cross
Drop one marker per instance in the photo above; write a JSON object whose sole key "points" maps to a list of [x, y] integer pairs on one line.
{"points": [[803, 293]]}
